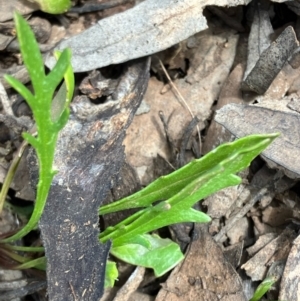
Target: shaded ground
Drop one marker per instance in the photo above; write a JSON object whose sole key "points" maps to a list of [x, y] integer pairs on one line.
{"points": [[254, 229]]}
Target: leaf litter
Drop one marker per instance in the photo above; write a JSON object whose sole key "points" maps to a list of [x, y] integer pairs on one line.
{"points": [[208, 65]]}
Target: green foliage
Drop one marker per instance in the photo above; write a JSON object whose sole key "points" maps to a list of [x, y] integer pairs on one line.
{"points": [[54, 6], [178, 192], [111, 274], [159, 254], [263, 288], [49, 120], [38, 263]]}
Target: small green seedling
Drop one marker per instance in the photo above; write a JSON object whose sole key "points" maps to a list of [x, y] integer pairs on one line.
{"points": [[132, 240], [50, 115], [178, 192]]}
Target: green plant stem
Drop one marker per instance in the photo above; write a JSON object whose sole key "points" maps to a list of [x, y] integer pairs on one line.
{"points": [[38, 263], [47, 125]]}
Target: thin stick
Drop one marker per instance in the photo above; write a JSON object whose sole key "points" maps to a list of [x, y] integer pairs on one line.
{"points": [[181, 99]]}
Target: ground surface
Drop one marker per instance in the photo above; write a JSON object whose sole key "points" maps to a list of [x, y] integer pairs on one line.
{"points": [[254, 228]]}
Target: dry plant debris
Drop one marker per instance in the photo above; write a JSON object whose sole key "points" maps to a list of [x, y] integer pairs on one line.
{"points": [[205, 274], [284, 153], [203, 48]]}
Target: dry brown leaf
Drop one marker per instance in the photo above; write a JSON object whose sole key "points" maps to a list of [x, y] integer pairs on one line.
{"points": [[204, 275], [284, 152]]}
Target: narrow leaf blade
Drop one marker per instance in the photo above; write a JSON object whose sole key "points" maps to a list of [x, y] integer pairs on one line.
{"points": [[224, 156], [263, 288], [39, 263], [64, 96], [20, 88], [57, 73]]}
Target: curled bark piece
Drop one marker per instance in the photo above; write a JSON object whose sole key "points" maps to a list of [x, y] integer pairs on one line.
{"points": [[89, 153], [271, 62]]}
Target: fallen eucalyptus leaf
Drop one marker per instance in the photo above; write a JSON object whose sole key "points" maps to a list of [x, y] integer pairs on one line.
{"points": [[205, 274], [284, 152], [259, 38], [89, 153], [149, 27]]}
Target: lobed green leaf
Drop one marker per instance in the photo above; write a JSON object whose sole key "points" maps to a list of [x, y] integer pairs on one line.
{"points": [[41, 104]]}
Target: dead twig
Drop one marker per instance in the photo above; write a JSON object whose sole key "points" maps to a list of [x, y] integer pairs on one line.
{"points": [[181, 99]]}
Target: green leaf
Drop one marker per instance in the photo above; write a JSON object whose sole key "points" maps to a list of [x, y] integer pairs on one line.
{"points": [[233, 157], [20, 88], [62, 99], [162, 254], [58, 72], [111, 274], [69, 79], [39, 263], [54, 6], [41, 105], [24, 248], [219, 167], [139, 240], [263, 288], [30, 52]]}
